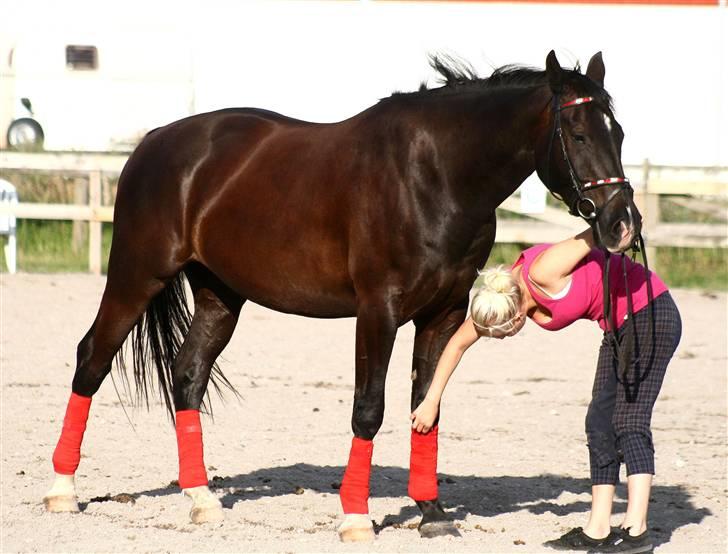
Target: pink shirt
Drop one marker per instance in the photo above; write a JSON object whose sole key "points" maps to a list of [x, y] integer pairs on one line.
{"points": [[585, 298]]}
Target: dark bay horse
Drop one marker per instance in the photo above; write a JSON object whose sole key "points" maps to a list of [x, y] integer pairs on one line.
{"points": [[385, 217]]}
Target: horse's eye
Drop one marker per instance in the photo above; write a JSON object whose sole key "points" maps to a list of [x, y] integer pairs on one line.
{"points": [[579, 138]]}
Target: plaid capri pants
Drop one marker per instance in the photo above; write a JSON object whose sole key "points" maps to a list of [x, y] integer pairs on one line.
{"points": [[617, 430]]}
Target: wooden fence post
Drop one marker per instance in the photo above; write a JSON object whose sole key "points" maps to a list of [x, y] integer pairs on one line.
{"points": [[94, 234], [79, 228], [649, 206]]}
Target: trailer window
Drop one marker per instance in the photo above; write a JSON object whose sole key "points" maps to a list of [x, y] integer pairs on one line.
{"points": [[81, 57]]}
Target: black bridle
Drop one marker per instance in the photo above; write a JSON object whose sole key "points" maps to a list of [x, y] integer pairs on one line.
{"points": [[584, 207]]}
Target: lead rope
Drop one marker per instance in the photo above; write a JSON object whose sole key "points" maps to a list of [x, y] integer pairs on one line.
{"points": [[623, 351]]}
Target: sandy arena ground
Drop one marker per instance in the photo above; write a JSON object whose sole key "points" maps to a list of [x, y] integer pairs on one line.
{"points": [[513, 460]]}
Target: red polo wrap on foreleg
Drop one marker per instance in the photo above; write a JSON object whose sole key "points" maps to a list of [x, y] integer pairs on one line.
{"points": [[423, 466], [354, 490], [189, 446], [68, 450]]}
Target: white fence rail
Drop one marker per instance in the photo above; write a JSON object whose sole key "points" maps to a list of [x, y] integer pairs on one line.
{"points": [[552, 225]]}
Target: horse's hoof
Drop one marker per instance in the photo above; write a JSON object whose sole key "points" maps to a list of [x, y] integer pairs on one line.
{"points": [[206, 514], [357, 534], [206, 507], [438, 529], [356, 528], [57, 504]]}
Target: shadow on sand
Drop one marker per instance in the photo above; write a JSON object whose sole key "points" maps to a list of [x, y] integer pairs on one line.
{"points": [[670, 506]]}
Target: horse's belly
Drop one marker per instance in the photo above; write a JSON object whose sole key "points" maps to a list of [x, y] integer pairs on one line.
{"points": [[289, 274], [309, 294]]}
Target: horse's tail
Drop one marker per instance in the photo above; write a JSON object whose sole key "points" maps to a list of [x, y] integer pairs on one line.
{"points": [[156, 340]]}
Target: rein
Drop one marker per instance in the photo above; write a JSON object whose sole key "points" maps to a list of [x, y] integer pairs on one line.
{"points": [[585, 208], [624, 351]]}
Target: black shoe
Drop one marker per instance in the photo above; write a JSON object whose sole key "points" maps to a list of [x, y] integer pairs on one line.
{"points": [[624, 543], [577, 539]]}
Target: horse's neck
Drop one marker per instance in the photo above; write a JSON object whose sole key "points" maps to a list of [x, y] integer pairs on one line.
{"points": [[496, 141]]}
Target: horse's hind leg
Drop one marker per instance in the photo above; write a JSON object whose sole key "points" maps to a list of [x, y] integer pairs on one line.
{"points": [[431, 337], [216, 314], [123, 302]]}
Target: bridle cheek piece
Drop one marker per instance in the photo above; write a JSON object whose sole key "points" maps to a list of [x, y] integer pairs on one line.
{"points": [[586, 208], [583, 206]]}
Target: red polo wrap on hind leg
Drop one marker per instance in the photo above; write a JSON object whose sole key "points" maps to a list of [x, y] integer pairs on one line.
{"points": [[67, 454], [423, 466], [354, 492], [189, 446]]}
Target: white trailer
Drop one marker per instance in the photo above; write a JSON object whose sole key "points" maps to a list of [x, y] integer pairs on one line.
{"points": [[92, 91], [667, 66]]}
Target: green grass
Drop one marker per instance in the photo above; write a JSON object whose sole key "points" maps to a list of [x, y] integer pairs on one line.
{"points": [[47, 246], [699, 268]]}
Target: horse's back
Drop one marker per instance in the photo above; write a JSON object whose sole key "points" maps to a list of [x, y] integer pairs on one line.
{"points": [[253, 195], [300, 217]]}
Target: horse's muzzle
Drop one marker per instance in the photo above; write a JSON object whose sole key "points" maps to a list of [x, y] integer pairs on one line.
{"points": [[620, 235]]}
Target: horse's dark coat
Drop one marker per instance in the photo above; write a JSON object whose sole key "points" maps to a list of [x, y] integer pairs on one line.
{"points": [[385, 216]]}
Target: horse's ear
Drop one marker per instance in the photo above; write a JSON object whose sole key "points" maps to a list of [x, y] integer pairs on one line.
{"points": [[595, 69], [554, 73]]}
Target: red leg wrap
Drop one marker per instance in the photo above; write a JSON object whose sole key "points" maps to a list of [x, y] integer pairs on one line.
{"points": [[68, 450], [354, 492], [189, 445], [423, 466]]}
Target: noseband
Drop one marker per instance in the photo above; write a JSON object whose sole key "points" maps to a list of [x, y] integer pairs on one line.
{"points": [[582, 206]]}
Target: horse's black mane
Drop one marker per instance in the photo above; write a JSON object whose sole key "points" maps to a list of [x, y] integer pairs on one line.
{"points": [[457, 75]]}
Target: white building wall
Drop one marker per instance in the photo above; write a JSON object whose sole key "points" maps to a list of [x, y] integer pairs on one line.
{"points": [[667, 67]]}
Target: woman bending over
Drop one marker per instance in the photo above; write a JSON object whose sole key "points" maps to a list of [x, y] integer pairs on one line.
{"points": [[554, 285]]}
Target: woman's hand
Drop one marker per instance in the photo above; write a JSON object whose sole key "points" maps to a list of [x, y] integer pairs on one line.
{"points": [[424, 415]]}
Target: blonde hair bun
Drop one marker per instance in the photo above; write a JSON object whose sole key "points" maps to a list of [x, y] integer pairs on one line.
{"points": [[498, 279], [497, 302]]}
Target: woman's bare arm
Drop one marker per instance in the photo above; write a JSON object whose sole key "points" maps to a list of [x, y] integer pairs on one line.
{"points": [[552, 268], [424, 415]]}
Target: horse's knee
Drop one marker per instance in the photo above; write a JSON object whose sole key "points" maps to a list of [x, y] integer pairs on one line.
{"points": [[87, 379], [189, 386], [367, 418], [88, 376]]}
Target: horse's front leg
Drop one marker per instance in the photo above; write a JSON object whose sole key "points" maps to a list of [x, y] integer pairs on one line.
{"points": [[432, 335], [376, 328], [212, 326]]}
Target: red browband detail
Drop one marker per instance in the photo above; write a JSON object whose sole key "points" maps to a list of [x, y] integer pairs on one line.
{"points": [[577, 102], [609, 181]]}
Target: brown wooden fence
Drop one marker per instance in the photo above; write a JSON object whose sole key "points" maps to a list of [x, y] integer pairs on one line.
{"points": [[703, 189]]}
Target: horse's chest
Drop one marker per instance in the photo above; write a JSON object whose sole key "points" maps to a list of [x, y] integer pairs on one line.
{"points": [[450, 268]]}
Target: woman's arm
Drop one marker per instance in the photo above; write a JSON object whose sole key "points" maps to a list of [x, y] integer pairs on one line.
{"points": [[424, 415], [552, 268]]}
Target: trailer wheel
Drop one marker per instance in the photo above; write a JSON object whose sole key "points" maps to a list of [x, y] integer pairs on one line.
{"points": [[25, 134]]}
